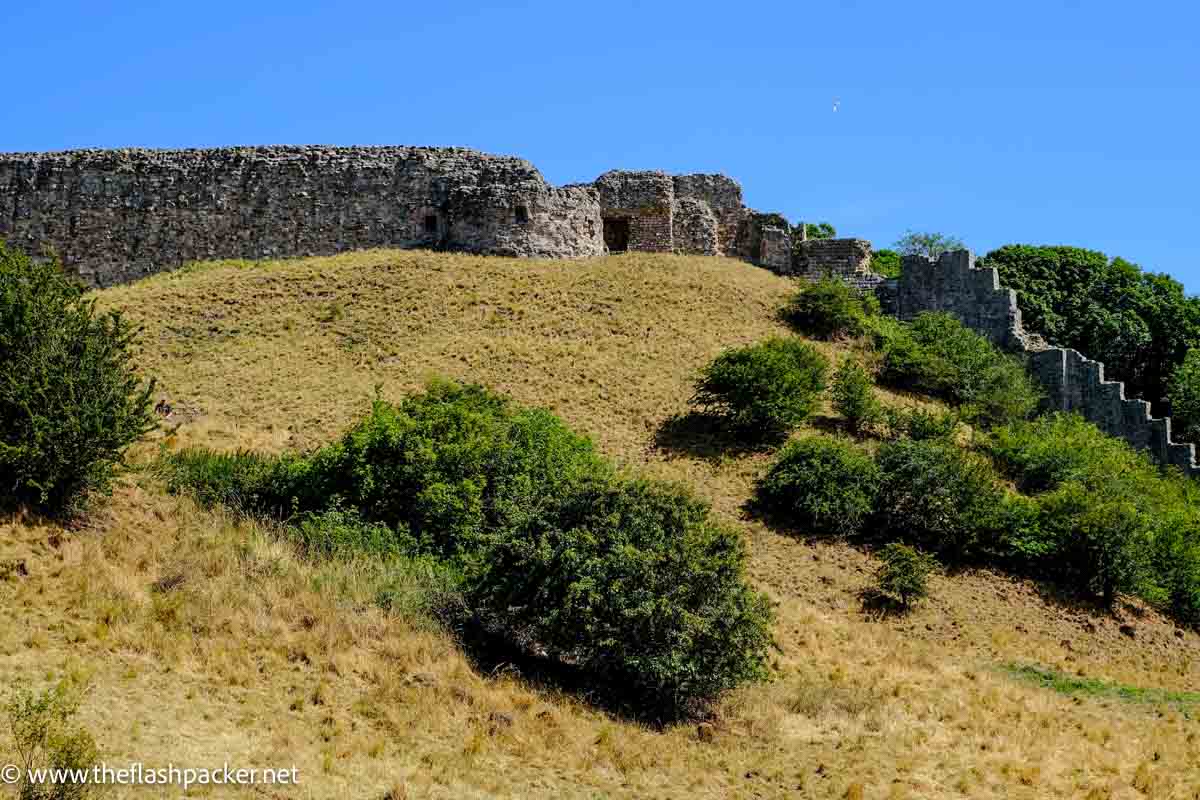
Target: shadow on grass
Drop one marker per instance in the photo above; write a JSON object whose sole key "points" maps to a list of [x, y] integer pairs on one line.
{"points": [[880, 606], [707, 436], [493, 651]]}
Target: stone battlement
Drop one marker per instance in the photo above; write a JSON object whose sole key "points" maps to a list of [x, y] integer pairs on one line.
{"points": [[1072, 381]]}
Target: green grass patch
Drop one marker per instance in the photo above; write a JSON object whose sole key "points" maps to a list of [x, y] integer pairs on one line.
{"points": [[1078, 686]]}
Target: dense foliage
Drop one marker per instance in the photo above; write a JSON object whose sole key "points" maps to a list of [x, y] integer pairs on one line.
{"points": [[887, 263], [1183, 391], [820, 485], [631, 580], [70, 399], [1140, 324], [853, 396], [763, 390], [938, 496], [829, 309], [938, 355], [1103, 517]]}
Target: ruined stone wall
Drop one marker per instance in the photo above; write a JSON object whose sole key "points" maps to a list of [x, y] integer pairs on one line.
{"points": [[723, 197], [847, 259], [953, 284], [1072, 381], [645, 201], [116, 215]]}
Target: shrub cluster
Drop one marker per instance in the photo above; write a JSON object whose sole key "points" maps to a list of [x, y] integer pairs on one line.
{"points": [[631, 580], [70, 399], [1107, 519], [937, 355], [764, 390], [830, 309]]}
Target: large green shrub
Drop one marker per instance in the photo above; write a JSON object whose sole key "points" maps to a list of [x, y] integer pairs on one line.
{"points": [[70, 399], [1108, 519], [820, 484], [1102, 547], [938, 496], [854, 396], [638, 584], [632, 581], [766, 389], [829, 309], [937, 355]]}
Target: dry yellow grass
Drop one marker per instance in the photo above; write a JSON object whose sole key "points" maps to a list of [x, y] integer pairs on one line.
{"points": [[261, 658]]}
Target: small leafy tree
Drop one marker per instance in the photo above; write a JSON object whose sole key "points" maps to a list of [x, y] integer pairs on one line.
{"points": [[1184, 393], [819, 230], [828, 309], [903, 573], [71, 401], [766, 389], [46, 736], [930, 245], [854, 396]]}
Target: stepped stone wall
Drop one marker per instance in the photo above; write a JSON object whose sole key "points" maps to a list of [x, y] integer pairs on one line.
{"points": [[1072, 381]]}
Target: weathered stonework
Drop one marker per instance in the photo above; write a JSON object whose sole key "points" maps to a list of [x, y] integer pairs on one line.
{"points": [[1072, 381], [116, 215], [954, 285], [847, 259]]}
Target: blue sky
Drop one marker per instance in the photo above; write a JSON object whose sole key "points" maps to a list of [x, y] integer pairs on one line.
{"points": [[1070, 122]]}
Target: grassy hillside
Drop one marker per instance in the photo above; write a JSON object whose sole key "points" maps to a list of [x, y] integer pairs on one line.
{"points": [[206, 639]]}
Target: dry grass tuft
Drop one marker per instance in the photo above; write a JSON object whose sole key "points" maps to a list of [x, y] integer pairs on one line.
{"points": [[207, 638]]}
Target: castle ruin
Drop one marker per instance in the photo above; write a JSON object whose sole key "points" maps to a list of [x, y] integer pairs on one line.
{"points": [[113, 216]]}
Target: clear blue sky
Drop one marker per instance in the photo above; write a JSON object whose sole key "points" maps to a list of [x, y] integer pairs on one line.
{"points": [[1046, 122]]}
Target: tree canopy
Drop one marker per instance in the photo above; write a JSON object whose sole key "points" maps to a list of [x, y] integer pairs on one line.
{"points": [[1140, 324]]}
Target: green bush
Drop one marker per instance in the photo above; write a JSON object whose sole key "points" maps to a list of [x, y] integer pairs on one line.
{"points": [[937, 355], [635, 582], [70, 399], [1183, 390], [820, 484], [854, 396], [339, 532], [631, 581], [919, 423], [887, 263], [938, 496], [766, 389], [903, 573], [47, 737], [443, 467], [829, 309], [1109, 519], [1102, 547]]}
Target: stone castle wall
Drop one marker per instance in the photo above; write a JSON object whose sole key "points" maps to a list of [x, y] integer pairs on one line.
{"points": [[1072, 382], [116, 215]]}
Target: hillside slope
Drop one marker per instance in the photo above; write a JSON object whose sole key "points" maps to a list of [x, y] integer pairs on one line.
{"points": [[207, 640]]}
